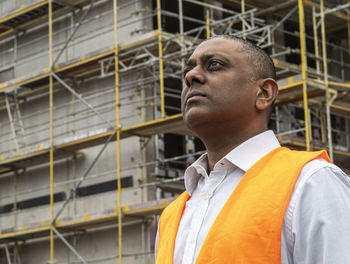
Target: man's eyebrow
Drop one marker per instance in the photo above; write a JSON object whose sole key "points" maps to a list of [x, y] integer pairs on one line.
{"points": [[190, 62], [203, 58]]}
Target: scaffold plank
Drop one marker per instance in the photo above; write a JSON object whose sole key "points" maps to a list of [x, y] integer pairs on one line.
{"points": [[172, 124], [28, 16], [129, 212]]}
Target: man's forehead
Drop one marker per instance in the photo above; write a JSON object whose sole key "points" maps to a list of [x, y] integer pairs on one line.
{"points": [[220, 46], [216, 45]]}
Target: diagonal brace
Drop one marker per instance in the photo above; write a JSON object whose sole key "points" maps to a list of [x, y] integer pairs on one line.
{"points": [[68, 245], [279, 23], [73, 33], [72, 192], [80, 98]]}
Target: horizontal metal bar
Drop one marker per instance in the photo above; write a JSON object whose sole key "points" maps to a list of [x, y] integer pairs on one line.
{"points": [[335, 9], [290, 132], [211, 6]]}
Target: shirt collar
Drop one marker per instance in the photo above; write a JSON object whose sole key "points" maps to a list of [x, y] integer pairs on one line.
{"points": [[252, 150], [243, 156], [194, 172]]}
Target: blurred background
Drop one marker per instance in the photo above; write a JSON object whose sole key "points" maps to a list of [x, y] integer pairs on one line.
{"points": [[92, 143]]}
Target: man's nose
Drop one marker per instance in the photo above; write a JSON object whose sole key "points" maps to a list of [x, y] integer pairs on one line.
{"points": [[194, 75]]}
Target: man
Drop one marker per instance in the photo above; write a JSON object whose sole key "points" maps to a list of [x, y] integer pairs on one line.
{"points": [[248, 200]]}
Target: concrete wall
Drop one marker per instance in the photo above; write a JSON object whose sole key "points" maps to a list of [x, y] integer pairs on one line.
{"points": [[94, 34], [72, 120], [95, 245], [10, 6]]}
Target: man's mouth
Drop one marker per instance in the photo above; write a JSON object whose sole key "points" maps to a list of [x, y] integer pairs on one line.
{"points": [[192, 96]]}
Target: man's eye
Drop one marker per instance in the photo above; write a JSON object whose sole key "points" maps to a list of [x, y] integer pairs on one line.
{"points": [[214, 65]]}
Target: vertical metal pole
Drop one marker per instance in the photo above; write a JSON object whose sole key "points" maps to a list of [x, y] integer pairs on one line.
{"points": [[73, 114], [347, 133], [51, 134], [207, 23], [160, 54], [117, 110], [303, 70], [243, 11], [142, 169], [8, 256], [12, 122], [181, 26], [181, 19], [325, 71], [342, 67], [143, 240], [15, 45], [323, 137], [349, 31], [317, 52], [15, 199]]}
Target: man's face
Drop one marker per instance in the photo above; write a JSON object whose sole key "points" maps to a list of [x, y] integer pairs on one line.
{"points": [[219, 86]]}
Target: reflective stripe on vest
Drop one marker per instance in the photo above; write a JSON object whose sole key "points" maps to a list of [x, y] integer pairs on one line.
{"points": [[248, 228]]}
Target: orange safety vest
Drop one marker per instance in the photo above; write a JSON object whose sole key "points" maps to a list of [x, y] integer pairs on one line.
{"points": [[248, 228]]}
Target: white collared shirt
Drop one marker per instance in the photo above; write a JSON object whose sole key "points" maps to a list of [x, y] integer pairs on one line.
{"points": [[316, 226]]}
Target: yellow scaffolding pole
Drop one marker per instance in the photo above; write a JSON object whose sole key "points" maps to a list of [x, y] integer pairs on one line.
{"points": [[303, 71], [51, 134], [325, 72], [339, 107], [207, 24], [117, 110], [160, 54], [317, 53], [243, 11]]}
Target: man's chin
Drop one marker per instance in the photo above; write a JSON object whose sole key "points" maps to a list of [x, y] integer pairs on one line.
{"points": [[195, 118]]}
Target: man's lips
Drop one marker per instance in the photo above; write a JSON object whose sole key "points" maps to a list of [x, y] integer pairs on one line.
{"points": [[194, 95]]}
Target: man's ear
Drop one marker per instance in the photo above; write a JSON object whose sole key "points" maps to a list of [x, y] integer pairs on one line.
{"points": [[267, 93]]}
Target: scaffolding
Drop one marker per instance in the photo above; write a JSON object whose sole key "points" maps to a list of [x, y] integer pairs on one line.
{"points": [[312, 109]]}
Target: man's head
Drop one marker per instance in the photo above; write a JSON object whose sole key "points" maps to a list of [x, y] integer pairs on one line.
{"points": [[257, 57], [230, 86]]}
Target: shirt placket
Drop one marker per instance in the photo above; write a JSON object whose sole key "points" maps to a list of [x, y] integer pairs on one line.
{"points": [[198, 216]]}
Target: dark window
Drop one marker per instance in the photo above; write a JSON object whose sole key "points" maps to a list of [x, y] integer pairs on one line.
{"points": [[104, 187], [6, 208], [173, 88], [61, 196], [171, 24], [293, 41], [174, 145], [33, 202], [43, 200]]}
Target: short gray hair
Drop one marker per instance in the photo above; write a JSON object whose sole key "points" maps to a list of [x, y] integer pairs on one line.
{"points": [[261, 62]]}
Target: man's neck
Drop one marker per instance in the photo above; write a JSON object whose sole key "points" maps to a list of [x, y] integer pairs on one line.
{"points": [[221, 145]]}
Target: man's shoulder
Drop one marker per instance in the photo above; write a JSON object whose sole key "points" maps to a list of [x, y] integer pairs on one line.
{"points": [[318, 214], [321, 168], [320, 178]]}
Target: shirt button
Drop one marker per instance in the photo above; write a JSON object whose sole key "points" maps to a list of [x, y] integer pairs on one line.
{"points": [[205, 196], [193, 240], [222, 163], [198, 170]]}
